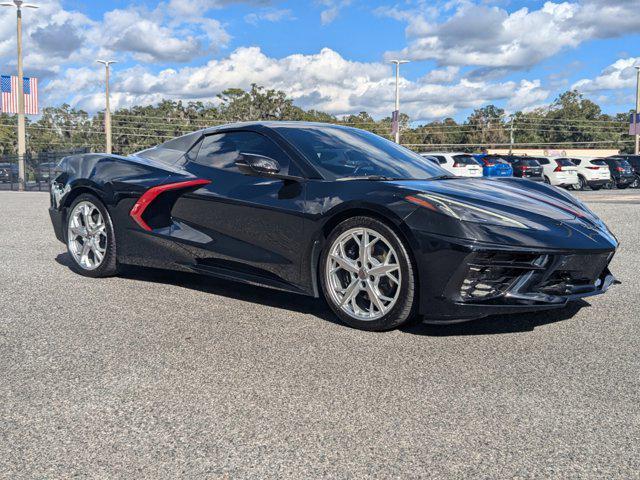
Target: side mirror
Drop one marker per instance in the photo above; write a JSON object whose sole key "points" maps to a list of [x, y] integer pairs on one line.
{"points": [[253, 164]]}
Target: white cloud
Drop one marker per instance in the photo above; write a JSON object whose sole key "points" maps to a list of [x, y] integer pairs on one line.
{"points": [[142, 34], [483, 35], [325, 81], [620, 74], [527, 95], [445, 75], [51, 36], [55, 37], [191, 8], [271, 15], [332, 11]]}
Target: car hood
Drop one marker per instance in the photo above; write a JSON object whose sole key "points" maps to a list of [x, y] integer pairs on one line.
{"points": [[539, 206]]}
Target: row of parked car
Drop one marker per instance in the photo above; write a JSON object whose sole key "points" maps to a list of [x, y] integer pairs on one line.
{"points": [[40, 173], [578, 173]]}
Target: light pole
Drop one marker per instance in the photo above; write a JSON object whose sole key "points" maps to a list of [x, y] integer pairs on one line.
{"points": [[22, 141], [107, 111], [397, 111], [635, 120], [511, 135]]}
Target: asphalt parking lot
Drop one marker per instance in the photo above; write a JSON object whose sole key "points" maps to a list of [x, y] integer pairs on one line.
{"points": [[153, 375]]}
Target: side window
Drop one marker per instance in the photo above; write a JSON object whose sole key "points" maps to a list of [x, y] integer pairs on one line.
{"points": [[221, 150], [441, 159], [576, 161], [544, 161]]}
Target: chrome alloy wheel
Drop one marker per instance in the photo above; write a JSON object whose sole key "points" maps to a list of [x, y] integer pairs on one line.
{"points": [[363, 274], [87, 235]]}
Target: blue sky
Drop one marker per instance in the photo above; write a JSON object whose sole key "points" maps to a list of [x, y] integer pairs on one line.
{"points": [[333, 54]]}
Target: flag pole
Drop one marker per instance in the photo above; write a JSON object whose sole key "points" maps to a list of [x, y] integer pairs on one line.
{"points": [[397, 106], [635, 117], [107, 112], [22, 140], [22, 134]]}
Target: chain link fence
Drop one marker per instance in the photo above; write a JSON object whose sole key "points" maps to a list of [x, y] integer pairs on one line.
{"points": [[38, 169]]}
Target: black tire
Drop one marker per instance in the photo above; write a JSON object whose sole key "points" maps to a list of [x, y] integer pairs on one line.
{"points": [[109, 265], [583, 185], [403, 310], [623, 186], [596, 187], [546, 180]]}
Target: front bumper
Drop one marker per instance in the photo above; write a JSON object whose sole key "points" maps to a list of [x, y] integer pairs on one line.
{"points": [[57, 221], [626, 180], [463, 280]]}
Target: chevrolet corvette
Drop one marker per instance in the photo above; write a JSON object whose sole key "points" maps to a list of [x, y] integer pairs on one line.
{"points": [[383, 235]]}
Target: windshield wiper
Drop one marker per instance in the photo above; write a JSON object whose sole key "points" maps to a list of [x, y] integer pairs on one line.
{"points": [[371, 178], [443, 177], [381, 178]]}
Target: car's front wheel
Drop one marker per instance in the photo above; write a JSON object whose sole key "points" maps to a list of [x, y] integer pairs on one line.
{"points": [[90, 238], [367, 276]]}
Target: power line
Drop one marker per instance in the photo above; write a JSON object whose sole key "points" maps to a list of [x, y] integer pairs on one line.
{"points": [[514, 144]]}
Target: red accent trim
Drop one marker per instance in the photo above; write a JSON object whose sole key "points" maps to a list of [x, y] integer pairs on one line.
{"points": [[150, 195], [421, 202]]}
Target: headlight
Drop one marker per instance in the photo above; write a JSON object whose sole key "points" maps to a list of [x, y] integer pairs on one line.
{"points": [[463, 211]]}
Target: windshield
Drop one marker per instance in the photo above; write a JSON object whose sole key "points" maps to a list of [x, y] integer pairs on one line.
{"points": [[624, 164], [341, 152], [495, 159], [564, 162], [465, 160], [530, 162]]}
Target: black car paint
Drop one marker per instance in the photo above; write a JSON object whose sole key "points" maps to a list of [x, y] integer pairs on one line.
{"points": [[622, 172], [270, 231], [634, 161], [532, 172]]}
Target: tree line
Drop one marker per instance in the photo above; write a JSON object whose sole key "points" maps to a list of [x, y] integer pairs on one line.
{"points": [[570, 120]]}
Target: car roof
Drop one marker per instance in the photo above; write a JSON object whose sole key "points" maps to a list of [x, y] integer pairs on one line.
{"points": [[272, 124]]}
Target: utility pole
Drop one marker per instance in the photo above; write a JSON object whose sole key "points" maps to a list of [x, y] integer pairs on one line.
{"points": [[107, 111], [22, 140], [635, 120], [397, 110], [511, 137]]}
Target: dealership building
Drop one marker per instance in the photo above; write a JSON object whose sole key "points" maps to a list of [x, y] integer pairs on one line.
{"points": [[569, 152]]}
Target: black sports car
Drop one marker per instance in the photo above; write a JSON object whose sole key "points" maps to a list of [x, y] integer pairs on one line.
{"points": [[316, 209]]}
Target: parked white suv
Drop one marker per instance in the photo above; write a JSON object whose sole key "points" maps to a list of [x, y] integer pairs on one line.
{"points": [[592, 172], [459, 163], [559, 171]]}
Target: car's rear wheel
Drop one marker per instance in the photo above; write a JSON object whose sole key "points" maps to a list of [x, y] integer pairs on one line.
{"points": [[90, 238], [546, 180], [367, 276], [582, 183]]}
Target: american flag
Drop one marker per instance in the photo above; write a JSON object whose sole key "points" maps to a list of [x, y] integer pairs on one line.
{"points": [[634, 124], [9, 88], [394, 122]]}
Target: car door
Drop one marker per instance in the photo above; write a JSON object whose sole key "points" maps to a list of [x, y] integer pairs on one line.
{"points": [[253, 223]]}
